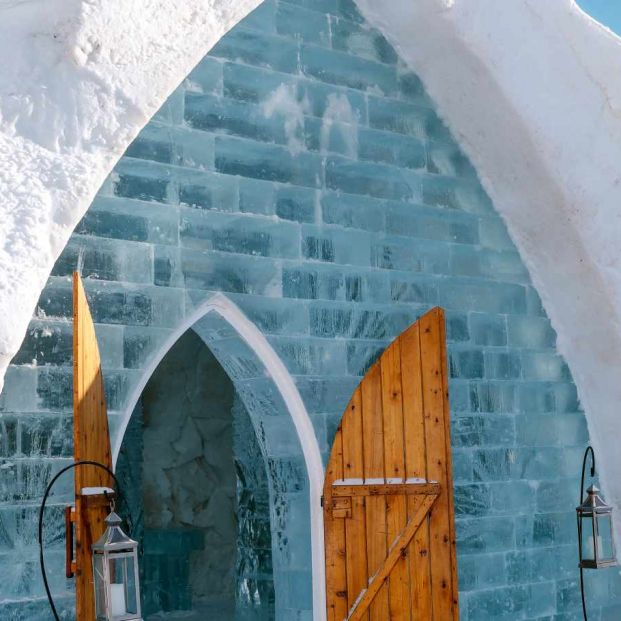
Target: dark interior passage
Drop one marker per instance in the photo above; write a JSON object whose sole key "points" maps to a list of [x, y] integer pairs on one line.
{"points": [[198, 493]]}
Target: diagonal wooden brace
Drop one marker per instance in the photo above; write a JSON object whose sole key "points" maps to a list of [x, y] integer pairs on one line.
{"points": [[397, 549]]}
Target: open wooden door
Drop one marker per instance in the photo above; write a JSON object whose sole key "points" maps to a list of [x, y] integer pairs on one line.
{"points": [[91, 441], [388, 493]]}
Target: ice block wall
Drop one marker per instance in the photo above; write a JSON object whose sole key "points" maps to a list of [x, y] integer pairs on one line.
{"points": [[302, 171]]}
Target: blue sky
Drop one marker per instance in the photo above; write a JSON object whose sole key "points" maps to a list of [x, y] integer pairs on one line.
{"points": [[608, 12]]}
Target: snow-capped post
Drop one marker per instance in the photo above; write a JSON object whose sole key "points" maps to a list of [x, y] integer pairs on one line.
{"points": [[116, 574]]}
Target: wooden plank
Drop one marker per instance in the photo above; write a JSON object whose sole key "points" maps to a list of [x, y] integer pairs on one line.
{"points": [[336, 570], [373, 449], [91, 442], [355, 527], [394, 467], [448, 465], [441, 524], [397, 551], [391, 454], [416, 467], [405, 489]]}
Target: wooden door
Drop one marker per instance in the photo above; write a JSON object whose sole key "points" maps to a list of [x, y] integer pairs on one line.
{"points": [[388, 493], [91, 441]]}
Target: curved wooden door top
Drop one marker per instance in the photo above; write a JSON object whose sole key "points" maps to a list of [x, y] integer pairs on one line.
{"points": [[388, 492]]}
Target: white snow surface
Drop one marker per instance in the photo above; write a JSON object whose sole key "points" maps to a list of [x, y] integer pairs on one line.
{"points": [[530, 88], [78, 80]]}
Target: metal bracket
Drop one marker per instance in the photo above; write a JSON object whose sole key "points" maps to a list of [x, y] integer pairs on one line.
{"points": [[341, 507], [70, 563]]}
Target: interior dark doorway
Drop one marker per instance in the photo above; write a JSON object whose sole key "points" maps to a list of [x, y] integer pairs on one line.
{"points": [[198, 493]]}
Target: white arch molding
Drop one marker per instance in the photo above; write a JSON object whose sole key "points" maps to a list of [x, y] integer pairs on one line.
{"points": [[256, 341]]}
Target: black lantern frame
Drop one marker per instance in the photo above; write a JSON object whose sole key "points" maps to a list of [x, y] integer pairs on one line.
{"points": [[595, 523], [594, 519]]}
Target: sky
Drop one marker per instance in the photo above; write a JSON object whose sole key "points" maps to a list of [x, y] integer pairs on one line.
{"points": [[608, 12]]}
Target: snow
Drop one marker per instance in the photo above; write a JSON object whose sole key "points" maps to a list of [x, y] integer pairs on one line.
{"points": [[283, 101], [79, 80], [528, 87], [96, 491], [355, 481], [381, 481], [339, 116]]}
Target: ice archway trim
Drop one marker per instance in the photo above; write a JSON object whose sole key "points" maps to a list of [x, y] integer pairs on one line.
{"points": [[220, 306]]}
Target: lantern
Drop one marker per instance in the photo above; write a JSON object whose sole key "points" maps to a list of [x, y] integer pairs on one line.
{"points": [[595, 538], [115, 572]]}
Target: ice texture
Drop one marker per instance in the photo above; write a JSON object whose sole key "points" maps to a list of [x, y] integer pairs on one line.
{"points": [[330, 251], [283, 102], [339, 123]]}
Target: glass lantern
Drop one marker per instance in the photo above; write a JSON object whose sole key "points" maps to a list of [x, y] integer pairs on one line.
{"points": [[115, 573], [595, 536]]}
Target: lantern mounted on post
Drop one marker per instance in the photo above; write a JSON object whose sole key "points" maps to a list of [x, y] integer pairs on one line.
{"points": [[596, 544], [596, 547], [116, 574], [111, 564]]}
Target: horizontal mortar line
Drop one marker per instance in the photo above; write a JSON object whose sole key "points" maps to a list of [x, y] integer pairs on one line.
{"points": [[41, 459], [36, 598], [35, 504], [113, 241], [301, 42], [302, 77], [314, 45]]}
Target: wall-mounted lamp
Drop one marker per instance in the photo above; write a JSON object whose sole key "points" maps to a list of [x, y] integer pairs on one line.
{"points": [[596, 547], [115, 562], [116, 574]]}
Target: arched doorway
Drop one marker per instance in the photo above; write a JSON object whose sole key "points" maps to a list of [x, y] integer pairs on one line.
{"points": [[284, 432], [196, 481]]}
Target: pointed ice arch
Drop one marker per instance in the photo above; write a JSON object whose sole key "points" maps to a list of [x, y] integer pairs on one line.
{"points": [[271, 397]]}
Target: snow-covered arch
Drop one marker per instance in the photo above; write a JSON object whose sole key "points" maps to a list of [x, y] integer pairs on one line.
{"points": [[528, 87], [84, 78], [224, 308]]}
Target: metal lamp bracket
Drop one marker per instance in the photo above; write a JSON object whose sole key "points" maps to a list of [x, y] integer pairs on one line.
{"points": [[92, 496]]}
